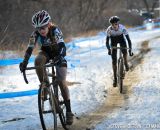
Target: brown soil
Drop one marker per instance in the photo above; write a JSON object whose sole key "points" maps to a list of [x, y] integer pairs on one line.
{"points": [[114, 100]]}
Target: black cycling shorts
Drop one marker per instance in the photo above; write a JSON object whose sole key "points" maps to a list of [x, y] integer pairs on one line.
{"points": [[61, 63], [114, 51]]}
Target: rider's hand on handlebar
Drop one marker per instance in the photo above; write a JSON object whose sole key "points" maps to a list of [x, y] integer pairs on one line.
{"points": [[23, 65], [58, 59], [109, 51], [130, 52]]}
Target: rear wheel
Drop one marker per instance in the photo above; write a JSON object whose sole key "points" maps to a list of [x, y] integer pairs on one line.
{"points": [[47, 110]]}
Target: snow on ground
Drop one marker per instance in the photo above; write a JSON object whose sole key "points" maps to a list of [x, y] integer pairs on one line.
{"points": [[93, 72], [143, 110]]}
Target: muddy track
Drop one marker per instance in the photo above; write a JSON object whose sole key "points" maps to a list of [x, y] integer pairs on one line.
{"points": [[114, 100]]}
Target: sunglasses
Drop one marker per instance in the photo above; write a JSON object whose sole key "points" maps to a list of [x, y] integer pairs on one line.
{"points": [[114, 24], [42, 28]]}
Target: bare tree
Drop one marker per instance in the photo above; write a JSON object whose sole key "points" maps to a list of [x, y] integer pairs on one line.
{"points": [[153, 4], [72, 16]]}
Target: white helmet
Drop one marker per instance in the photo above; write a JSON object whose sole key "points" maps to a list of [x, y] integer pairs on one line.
{"points": [[40, 19]]}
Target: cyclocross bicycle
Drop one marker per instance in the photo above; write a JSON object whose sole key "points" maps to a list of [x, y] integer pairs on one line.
{"points": [[120, 68], [50, 101]]}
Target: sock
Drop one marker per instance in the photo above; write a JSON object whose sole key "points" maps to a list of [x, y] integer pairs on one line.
{"points": [[68, 105]]}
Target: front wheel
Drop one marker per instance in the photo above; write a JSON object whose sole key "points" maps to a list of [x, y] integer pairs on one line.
{"points": [[47, 110], [120, 75], [61, 107], [62, 117]]}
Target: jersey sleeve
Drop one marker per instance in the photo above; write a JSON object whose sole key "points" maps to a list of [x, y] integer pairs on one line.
{"points": [[108, 32], [33, 39], [124, 30], [58, 35], [31, 45], [60, 41]]}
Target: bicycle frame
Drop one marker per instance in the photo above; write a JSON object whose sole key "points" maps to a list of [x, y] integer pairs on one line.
{"points": [[120, 68], [56, 105]]}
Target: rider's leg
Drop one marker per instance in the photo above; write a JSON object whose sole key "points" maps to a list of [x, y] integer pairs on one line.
{"points": [[126, 61], [114, 66], [41, 60], [125, 56], [61, 75]]}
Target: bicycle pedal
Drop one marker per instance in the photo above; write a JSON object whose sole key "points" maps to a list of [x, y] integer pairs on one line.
{"points": [[61, 102], [48, 111]]}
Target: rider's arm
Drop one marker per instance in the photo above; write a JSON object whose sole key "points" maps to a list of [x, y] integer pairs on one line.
{"points": [[107, 43], [62, 49], [129, 41], [31, 45], [60, 42], [108, 32], [125, 32]]}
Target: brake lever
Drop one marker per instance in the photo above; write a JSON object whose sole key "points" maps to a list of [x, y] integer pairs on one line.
{"points": [[131, 54], [24, 76]]}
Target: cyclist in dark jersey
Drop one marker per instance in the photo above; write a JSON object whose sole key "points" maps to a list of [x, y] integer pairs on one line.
{"points": [[51, 44], [115, 33]]}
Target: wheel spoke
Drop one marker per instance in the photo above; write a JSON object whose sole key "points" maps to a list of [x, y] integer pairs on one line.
{"points": [[47, 112]]}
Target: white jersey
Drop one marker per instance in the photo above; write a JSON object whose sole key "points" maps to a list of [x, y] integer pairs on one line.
{"points": [[113, 33]]}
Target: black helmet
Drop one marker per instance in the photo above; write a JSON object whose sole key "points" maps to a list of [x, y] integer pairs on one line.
{"points": [[114, 19]]}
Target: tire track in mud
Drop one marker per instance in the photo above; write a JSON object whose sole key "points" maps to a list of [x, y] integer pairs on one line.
{"points": [[114, 100]]}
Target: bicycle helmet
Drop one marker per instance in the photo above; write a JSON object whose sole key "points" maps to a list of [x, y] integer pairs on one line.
{"points": [[40, 19], [114, 19]]}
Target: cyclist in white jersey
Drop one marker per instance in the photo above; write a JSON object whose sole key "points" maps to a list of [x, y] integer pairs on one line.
{"points": [[115, 33]]}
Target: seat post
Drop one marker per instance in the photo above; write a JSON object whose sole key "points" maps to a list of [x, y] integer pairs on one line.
{"points": [[53, 74], [120, 53]]}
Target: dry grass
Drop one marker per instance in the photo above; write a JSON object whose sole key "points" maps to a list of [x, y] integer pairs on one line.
{"points": [[88, 33], [83, 34], [21, 47]]}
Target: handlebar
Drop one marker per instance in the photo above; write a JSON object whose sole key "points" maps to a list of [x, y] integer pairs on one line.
{"points": [[121, 48], [31, 68]]}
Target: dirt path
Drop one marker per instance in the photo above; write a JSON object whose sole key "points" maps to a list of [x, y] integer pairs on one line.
{"points": [[114, 100]]}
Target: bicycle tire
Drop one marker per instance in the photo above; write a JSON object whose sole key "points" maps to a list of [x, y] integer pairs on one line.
{"points": [[61, 106], [63, 120], [120, 75], [52, 107]]}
